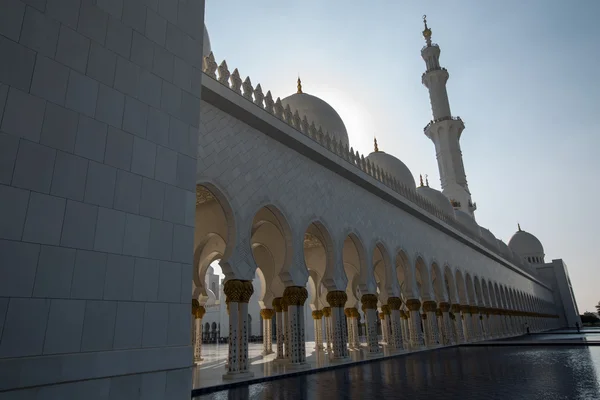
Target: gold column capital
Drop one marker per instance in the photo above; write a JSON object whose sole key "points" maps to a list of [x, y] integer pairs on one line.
{"points": [[444, 307], [395, 303], [266, 313], [337, 298], [317, 314], [413, 304], [327, 312], [277, 304], [429, 306], [386, 309], [369, 301]]}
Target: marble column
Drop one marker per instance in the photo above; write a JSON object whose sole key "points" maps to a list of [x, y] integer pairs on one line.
{"points": [[458, 323], [384, 332], [295, 296], [349, 327], [198, 312], [369, 303], [327, 315], [267, 316], [467, 324], [432, 326], [387, 323], [447, 329], [238, 294], [318, 321], [405, 330], [280, 327], [355, 320], [337, 300], [415, 331], [394, 304], [286, 331], [476, 322]]}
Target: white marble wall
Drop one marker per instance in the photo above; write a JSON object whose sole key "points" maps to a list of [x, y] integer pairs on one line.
{"points": [[99, 110]]}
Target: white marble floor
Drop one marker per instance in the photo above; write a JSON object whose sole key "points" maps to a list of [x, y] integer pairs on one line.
{"points": [[210, 371]]}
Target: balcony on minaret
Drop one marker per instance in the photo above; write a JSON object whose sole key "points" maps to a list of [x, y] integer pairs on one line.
{"points": [[460, 125]]}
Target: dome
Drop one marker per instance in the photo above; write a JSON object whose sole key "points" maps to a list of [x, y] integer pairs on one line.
{"points": [[319, 112], [393, 166], [525, 245], [489, 237], [206, 49], [468, 221], [437, 198], [503, 248]]}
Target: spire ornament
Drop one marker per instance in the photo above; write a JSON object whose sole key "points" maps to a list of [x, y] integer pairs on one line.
{"points": [[426, 180], [299, 85], [426, 31], [375, 143], [519, 226], [420, 180]]}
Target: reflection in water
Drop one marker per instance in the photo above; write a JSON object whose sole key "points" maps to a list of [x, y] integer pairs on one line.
{"points": [[547, 373]]}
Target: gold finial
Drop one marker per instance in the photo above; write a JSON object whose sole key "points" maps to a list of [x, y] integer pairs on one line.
{"points": [[299, 85], [426, 31], [426, 180], [519, 226], [421, 180], [376, 147]]}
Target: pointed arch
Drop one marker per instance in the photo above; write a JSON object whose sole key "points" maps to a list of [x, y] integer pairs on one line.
{"points": [[422, 279], [384, 273], [354, 253], [320, 255], [461, 287], [470, 290], [450, 285], [478, 291], [404, 275], [437, 282]]}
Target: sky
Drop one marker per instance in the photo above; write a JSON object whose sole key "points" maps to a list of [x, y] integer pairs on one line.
{"points": [[523, 77]]}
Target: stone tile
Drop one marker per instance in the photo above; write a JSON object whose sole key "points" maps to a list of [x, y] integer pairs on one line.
{"points": [[110, 107], [186, 287], [65, 11], [119, 149], [110, 230], [13, 211], [134, 14], [125, 387], [100, 184], [152, 199], [127, 77], [11, 18], [113, 7], [128, 192], [150, 89], [190, 109], [98, 325], [93, 22], [178, 332], [16, 68], [18, 267], [136, 117], [3, 96], [161, 239], [186, 172], [156, 27], [59, 130], [70, 173], [145, 280], [190, 208], [178, 384], [178, 134], [144, 157], [142, 49], [170, 100], [88, 275], [82, 93], [153, 386], [23, 115], [128, 326], [91, 139], [158, 127], [38, 4], [168, 9], [118, 284], [175, 201], [156, 318], [137, 235], [39, 32], [50, 80], [9, 145], [65, 326], [34, 166], [54, 273], [166, 165], [102, 64], [183, 244], [79, 228], [169, 283], [163, 63], [182, 75], [24, 327], [73, 49], [118, 37]]}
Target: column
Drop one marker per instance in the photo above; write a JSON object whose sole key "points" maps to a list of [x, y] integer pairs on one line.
{"points": [[198, 312], [394, 304], [458, 323], [295, 296], [387, 324], [238, 294], [426, 335], [415, 331], [447, 331], [337, 300], [355, 319], [383, 323], [280, 326], [286, 331], [349, 327], [369, 303], [267, 315], [405, 330], [318, 320], [430, 307], [467, 324], [327, 315], [474, 311]]}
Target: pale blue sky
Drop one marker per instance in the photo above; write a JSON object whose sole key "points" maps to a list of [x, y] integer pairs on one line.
{"points": [[523, 76]]}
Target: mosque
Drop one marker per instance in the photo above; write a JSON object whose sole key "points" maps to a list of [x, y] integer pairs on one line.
{"points": [[132, 164]]}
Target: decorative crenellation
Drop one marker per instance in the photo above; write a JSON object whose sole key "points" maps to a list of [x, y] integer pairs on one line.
{"points": [[325, 139]]}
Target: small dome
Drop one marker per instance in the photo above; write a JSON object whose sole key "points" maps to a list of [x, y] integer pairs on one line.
{"points": [[437, 198], [206, 49], [468, 221], [393, 166], [503, 248], [319, 112], [524, 244], [489, 237]]}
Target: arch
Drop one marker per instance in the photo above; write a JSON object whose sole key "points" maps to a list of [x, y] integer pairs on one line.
{"points": [[438, 284], [470, 290], [461, 287], [404, 275], [493, 298], [214, 214], [320, 254], [450, 285], [354, 253], [383, 272], [478, 292], [486, 294], [422, 279]]}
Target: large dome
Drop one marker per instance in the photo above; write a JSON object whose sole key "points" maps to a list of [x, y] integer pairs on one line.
{"points": [[489, 237], [526, 245], [394, 167], [437, 198], [319, 112], [206, 49], [468, 221]]}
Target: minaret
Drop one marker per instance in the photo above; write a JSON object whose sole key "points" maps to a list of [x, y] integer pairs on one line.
{"points": [[445, 130]]}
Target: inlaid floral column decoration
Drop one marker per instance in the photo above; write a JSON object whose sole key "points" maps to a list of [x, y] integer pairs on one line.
{"points": [[279, 326], [369, 303], [458, 323], [327, 315], [337, 300], [198, 312], [286, 332], [405, 330], [447, 329], [238, 294], [381, 316], [295, 296], [318, 321], [415, 331], [355, 320], [349, 326], [248, 289], [267, 316], [430, 307], [394, 304], [386, 324]]}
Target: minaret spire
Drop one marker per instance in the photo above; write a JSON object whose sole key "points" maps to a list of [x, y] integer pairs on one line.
{"points": [[519, 226], [420, 180], [299, 85], [444, 130], [375, 143]]}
